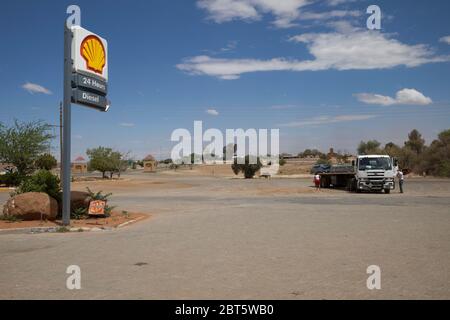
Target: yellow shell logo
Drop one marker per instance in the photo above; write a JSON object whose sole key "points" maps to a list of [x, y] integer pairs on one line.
{"points": [[93, 51]]}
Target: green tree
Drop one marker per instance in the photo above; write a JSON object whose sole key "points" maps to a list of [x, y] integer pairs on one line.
{"points": [[250, 166], [415, 142], [46, 162], [22, 143], [436, 158], [393, 150], [369, 147], [408, 159], [101, 159], [119, 162]]}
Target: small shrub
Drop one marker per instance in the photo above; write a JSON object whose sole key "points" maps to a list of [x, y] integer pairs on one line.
{"points": [[42, 181], [98, 195], [79, 213], [249, 167], [109, 210]]}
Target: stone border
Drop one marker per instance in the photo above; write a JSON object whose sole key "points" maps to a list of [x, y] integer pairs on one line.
{"points": [[62, 229]]}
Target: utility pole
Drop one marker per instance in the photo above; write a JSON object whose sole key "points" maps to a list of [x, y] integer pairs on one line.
{"points": [[66, 162], [60, 139]]}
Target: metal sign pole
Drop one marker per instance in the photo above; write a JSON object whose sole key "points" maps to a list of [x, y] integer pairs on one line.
{"points": [[66, 161]]}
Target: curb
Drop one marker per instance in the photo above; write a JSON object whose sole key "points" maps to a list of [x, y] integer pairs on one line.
{"points": [[40, 230], [60, 229], [129, 222]]}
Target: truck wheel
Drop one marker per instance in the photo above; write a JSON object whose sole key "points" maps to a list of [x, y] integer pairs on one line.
{"points": [[387, 191]]}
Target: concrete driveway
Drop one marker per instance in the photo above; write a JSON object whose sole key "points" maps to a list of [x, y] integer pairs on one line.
{"points": [[217, 238]]}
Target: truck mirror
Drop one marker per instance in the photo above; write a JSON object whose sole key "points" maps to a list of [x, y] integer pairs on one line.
{"points": [[395, 162], [353, 163]]}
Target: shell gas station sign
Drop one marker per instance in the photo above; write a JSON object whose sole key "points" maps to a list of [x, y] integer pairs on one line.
{"points": [[89, 54]]}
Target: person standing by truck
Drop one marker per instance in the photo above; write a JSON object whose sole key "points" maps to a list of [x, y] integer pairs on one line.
{"points": [[401, 179], [317, 181]]}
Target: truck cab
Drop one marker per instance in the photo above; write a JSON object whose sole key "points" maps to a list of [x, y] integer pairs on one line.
{"points": [[375, 173]]}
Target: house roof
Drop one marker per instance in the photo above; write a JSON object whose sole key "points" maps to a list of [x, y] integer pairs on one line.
{"points": [[80, 159], [149, 158]]}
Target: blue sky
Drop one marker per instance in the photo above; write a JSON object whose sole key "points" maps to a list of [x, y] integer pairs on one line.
{"points": [[310, 68]]}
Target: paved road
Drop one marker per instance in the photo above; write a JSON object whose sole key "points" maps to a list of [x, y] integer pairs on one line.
{"points": [[216, 238]]}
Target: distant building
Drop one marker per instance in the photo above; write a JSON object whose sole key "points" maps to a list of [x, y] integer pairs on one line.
{"points": [[79, 165], [149, 163]]}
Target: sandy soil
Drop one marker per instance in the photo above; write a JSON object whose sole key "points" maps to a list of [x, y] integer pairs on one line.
{"points": [[203, 170], [113, 221]]}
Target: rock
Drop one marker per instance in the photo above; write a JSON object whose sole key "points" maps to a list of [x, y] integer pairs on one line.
{"points": [[79, 199], [31, 206]]}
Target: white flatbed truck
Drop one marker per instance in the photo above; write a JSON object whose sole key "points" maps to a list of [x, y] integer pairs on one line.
{"points": [[368, 173]]}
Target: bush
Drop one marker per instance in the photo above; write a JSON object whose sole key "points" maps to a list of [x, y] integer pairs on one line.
{"points": [[98, 195], [11, 179], [46, 162], [249, 167], [42, 181], [79, 213]]}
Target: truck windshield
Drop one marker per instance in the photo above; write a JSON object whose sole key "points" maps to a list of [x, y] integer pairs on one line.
{"points": [[375, 164]]}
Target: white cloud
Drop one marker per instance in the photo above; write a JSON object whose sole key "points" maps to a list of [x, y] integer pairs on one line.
{"points": [[231, 45], [346, 49], [333, 14], [403, 97], [284, 11], [338, 2], [35, 88], [327, 120], [126, 124], [445, 39], [212, 112]]}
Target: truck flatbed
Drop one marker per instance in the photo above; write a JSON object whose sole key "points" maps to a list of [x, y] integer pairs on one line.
{"points": [[336, 173], [338, 179]]}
